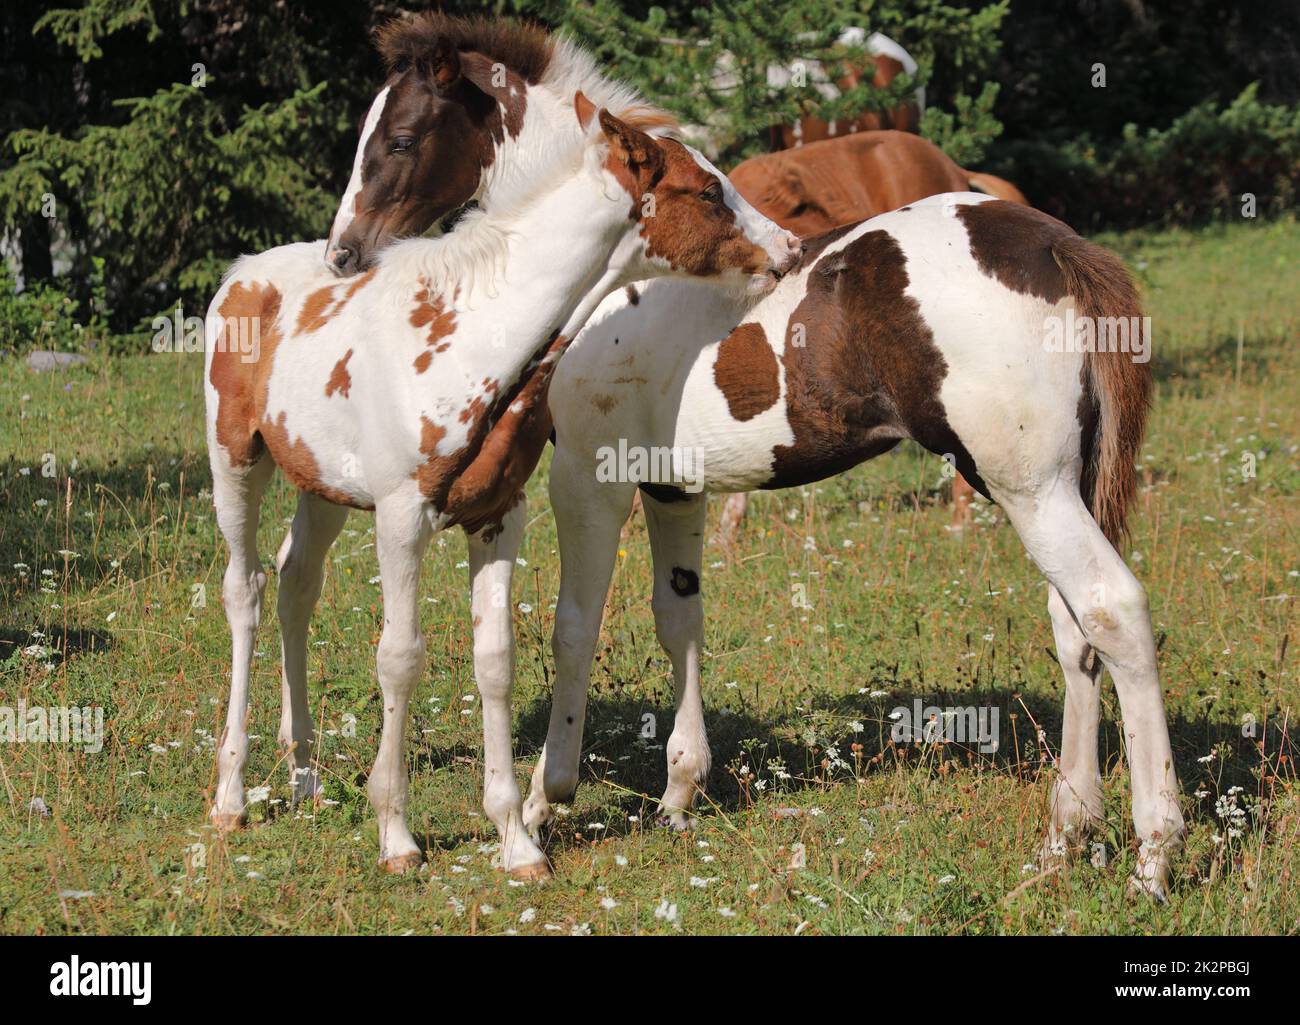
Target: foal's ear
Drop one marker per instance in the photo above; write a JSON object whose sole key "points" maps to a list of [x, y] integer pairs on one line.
{"points": [[441, 65], [584, 108], [629, 146]]}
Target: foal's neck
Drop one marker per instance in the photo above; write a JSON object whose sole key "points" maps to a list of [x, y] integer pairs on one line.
{"points": [[526, 273]]}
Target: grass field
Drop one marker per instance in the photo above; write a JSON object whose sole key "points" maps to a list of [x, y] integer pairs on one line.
{"points": [[110, 574]]}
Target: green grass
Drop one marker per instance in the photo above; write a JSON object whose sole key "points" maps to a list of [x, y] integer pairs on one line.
{"points": [[876, 838]]}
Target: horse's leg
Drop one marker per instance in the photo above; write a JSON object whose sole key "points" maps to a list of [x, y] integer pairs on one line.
{"points": [[491, 565], [677, 547], [1110, 607], [401, 534], [733, 515], [962, 496], [1076, 792], [588, 516], [237, 496], [300, 569]]}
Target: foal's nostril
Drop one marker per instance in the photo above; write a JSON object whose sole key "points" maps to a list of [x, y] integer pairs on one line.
{"points": [[341, 258]]}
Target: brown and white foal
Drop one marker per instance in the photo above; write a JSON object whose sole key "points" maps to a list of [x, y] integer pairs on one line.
{"points": [[409, 390], [989, 333]]}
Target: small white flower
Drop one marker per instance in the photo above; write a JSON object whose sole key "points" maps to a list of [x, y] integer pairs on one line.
{"points": [[665, 911]]}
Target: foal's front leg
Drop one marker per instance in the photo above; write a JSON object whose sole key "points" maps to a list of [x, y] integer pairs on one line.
{"points": [[588, 517], [401, 534], [492, 555]]}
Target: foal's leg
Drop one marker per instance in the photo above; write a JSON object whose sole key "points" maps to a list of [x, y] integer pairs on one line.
{"points": [[1076, 792], [677, 547], [588, 517], [1110, 607], [401, 534], [491, 566], [237, 496], [301, 570], [733, 515]]}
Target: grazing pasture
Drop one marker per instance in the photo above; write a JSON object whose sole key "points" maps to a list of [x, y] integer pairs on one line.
{"points": [[841, 602]]}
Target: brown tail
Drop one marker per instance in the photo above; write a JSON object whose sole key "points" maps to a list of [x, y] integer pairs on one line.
{"points": [[992, 185], [1119, 387]]}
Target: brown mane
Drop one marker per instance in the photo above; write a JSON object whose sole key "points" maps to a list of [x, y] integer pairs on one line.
{"points": [[523, 47]]}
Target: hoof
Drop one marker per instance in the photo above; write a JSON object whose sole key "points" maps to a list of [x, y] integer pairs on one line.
{"points": [[228, 822], [400, 864], [1151, 889], [678, 821], [538, 872]]}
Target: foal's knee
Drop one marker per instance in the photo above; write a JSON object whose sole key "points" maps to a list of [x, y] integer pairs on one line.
{"points": [[241, 592], [493, 667], [574, 637], [400, 660]]}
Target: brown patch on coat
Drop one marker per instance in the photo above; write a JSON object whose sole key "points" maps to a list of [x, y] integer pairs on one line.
{"points": [[1013, 244], [340, 380], [868, 374], [237, 381], [478, 484], [746, 373], [324, 304], [297, 461], [242, 426], [430, 311]]}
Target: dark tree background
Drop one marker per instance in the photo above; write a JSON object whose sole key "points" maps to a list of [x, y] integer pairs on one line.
{"points": [[145, 143]]}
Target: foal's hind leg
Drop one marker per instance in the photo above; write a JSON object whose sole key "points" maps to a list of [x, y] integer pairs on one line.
{"points": [[1111, 609], [1076, 792], [237, 496], [300, 568], [491, 565], [677, 548], [401, 534]]}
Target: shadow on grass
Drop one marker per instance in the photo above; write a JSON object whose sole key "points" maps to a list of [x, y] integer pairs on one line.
{"points": [[633, 770], [62, 644]]}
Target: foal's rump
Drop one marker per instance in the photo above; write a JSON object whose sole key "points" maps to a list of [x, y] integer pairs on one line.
{"points": [[1045, 347], [287, 374]]}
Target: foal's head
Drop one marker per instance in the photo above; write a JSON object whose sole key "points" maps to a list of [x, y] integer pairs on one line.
{"points": [[455, 90], [691, 221]]}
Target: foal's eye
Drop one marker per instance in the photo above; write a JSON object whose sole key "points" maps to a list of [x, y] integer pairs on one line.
{"points": [[402, 143], [712, 194]]}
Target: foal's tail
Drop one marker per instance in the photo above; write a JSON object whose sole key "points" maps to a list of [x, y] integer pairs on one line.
{"points": [[1117, 387]]}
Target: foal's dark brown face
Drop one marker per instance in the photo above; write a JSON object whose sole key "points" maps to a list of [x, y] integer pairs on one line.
{"points": [[423, 147]]}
